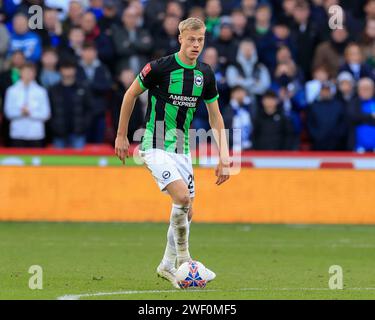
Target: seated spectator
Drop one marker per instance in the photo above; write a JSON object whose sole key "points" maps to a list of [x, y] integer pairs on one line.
{"points": [[168, 38], [4, 44], [248, 7], [27, 108], [369, 9], [71, 109], [132, 44], [330, 53], [239, 115], [367, 40], [239, 24], [248, 71], [260, 28], [354, 62], [326, 120], [49, 75], [74, 16], [93, 34], [272, 129], [123, 82], [313, 87], [98, 79], [362, 117], [51, 32], [25, 40]]}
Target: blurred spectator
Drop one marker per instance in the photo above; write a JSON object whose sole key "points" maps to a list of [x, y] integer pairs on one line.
{"points": [[272, 130], [312, 87], [49, 75], [248, 71], [132, 44], [369, 9], [62, 6], [306, 36], [51, 32], [74, 16], [71, 48], [362, 117], [239, 24], [110, 17], [238, 115], [168, 38], [248, 7], [4, 44], [326, 120], [371, 59], [25, 40], [97, 78], [197, 12], [210, 56], [354, 62], [213, 23], [226, 44], [330, 53], [287, 13], [93, 34], [71, 109], [27, 108], [368, 37], [124, 81], [96, 7]]}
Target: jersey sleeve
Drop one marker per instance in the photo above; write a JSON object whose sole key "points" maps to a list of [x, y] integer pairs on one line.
{"points": [[148, 77], [210, 91]]}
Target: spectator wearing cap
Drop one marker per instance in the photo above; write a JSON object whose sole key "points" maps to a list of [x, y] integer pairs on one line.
{"points": [[97, 78], [248, 72], [272, 130], [71, 105], [27, 108], [93, 34], [226, 44], [354, 62], [4, 44], [110, 17], [25, 40], [133, 44], [239, 114], [362, 117], [213, 16], [326, 120]]}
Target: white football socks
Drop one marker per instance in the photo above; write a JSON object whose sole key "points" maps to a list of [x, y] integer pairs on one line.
{"points": [[177, 237]]}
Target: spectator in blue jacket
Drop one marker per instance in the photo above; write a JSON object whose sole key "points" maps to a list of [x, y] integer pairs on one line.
{"points": [[326, 120], [25, 40], [362, 117]]}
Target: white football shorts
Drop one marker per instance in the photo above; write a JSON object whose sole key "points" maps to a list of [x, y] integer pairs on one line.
{"points": [[167, 167]]}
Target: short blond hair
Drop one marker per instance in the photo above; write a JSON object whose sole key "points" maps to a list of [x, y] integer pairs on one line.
{"points": [[191, 24]]}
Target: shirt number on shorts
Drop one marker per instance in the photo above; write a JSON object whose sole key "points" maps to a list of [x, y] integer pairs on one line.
{"points": [[190, 179]]}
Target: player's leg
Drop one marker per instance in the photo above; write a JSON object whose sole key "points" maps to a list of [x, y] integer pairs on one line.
{"points": [[179, 218]]}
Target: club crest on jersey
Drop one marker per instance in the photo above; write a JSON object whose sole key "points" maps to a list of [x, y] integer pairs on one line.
{"points": [[198, 80]]}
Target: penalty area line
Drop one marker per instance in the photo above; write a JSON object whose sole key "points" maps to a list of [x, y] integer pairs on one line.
{"points": [[130, 292]]}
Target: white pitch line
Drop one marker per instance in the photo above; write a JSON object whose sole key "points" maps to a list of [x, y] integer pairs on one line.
{"points": [[130, 292]]}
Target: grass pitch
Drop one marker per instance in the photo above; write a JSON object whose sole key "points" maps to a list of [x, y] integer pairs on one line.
{"points": [[118, 261]]}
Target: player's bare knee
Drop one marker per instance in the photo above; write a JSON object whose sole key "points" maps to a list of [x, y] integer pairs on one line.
{"points": [[183, 199]]}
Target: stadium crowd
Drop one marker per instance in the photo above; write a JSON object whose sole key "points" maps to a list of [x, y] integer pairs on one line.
{"points": [[285, 78]]}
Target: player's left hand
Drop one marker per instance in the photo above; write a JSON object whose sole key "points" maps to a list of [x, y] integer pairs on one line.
{"points": [[222, 172]]}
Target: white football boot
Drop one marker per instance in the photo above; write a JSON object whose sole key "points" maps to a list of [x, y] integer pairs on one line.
{"points": [[167, 274], [210, 275]]}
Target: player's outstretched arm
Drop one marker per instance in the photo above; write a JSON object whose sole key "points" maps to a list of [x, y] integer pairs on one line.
{"points": [[217, 125], [127, 106]]}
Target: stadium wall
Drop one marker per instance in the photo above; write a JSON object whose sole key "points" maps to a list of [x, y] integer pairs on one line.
{"points": [[342, 196]]}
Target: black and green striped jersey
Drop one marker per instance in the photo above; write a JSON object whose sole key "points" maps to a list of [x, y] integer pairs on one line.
{"points": [[175, 91]]}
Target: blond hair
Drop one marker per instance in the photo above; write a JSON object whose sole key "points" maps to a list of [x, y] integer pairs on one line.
{"points": [[191, 24]]}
